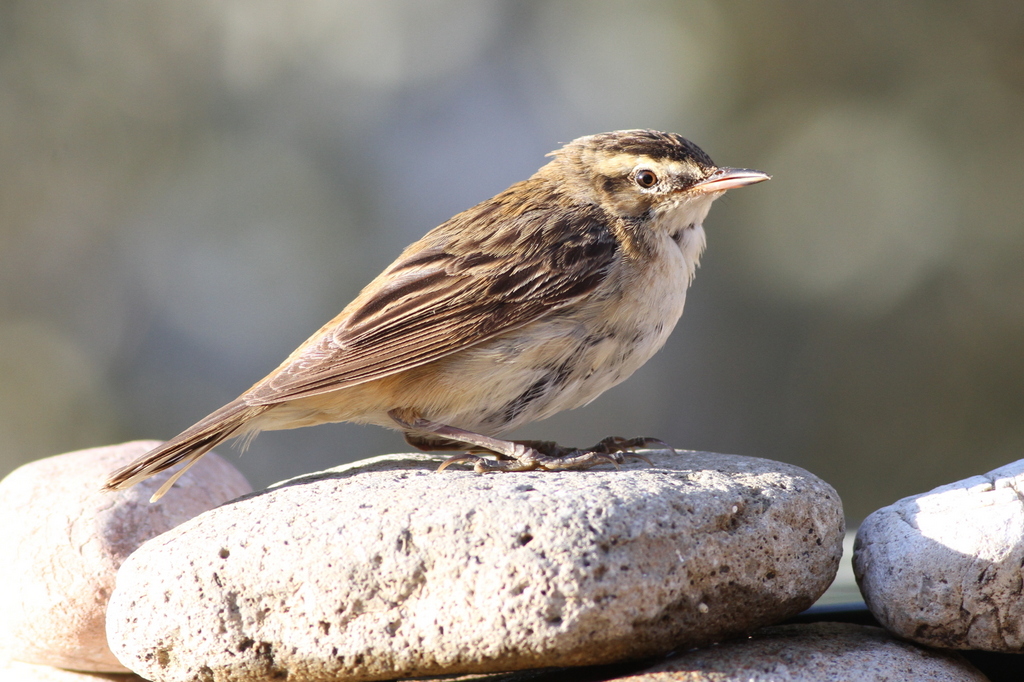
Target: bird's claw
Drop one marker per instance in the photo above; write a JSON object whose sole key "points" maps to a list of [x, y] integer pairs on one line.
{"points": [[549, 456]]}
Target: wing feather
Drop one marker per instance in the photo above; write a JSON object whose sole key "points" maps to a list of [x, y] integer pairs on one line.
{"points": [[463, 283]]}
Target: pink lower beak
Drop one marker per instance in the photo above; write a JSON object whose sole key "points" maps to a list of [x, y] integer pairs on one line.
{"points": [[730, 178]]}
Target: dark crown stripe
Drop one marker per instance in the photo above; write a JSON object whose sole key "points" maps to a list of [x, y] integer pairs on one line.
{"points": [[654, 144]]}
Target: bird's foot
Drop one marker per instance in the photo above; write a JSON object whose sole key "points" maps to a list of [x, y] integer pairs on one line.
{"points": [[519, 455], [533, 455]]}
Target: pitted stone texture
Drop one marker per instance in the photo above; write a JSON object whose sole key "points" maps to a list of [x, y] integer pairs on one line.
{"points": [[64, 539], [818, 652], [387, 568], [944, 568]]}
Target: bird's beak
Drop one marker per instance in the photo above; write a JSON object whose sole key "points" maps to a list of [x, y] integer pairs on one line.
{"points": [[729, 178]]}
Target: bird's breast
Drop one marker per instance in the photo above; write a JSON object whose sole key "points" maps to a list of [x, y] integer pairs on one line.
{"points": [[571, 356]]}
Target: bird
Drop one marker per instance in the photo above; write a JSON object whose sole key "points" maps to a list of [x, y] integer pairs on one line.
{"points": [[534, 301]]}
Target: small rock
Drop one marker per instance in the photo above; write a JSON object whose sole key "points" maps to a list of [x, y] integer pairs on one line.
{"points": [[70, 538], [387, 568], [817, 652], [944, 568]]}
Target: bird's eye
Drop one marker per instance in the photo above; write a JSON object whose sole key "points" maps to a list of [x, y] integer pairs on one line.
{"points": [[645, 178]]}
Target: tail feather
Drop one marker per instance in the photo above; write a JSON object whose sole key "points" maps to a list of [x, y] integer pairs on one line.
{"points": [[187, 446]]}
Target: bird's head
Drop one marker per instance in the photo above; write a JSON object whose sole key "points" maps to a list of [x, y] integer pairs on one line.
{"points": [[645, 173]]}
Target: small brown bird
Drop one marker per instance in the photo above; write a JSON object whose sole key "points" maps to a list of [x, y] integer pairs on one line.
{"points": [[535, 301]]}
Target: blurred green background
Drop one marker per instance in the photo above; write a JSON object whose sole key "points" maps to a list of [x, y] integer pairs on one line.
{"points": [[189, 189]]}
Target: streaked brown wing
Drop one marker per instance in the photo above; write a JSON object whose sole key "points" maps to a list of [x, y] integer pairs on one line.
{"points": [[453, 289]]}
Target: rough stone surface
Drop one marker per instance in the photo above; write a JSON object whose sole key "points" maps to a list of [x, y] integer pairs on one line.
{"points": [[64, 539], [387, 568], [818, 652], [944, 568]]}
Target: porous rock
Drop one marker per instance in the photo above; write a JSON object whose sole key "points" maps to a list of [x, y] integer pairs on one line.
{"points": [[816, 652], [387, 568], [64, 539], [944, 568]]}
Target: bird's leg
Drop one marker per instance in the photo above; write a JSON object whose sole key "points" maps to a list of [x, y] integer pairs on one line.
{"points": [[428, 443], [617, 448], [517, 455]]}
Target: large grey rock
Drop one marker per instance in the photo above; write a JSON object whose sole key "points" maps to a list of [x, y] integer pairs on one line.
{"points": [[387, 568], [819, 652], [944, 568], [64, 539]]}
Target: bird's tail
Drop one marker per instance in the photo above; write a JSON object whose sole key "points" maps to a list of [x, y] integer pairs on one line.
{"points": [[187, 446]]}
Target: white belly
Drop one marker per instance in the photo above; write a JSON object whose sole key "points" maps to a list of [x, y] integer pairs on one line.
{"points": [[569, 358]]}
